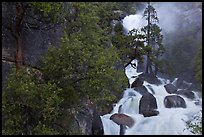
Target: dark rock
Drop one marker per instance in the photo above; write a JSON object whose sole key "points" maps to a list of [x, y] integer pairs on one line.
{"points": [[131, 94], [88, 118], [122, 129], [198, 102], [142, 90], [97, 125], [186, 93], [122, 119], [67, 123], [174, 101], [186, 85], [140, 66], [120, 14], [137, 83], [120, 109], [107, 109], [150, 78], [84, 120], [148, 105], [151, 89], [182, 84], [150, 112], [133, 65], [5, 71], [134, 77], [170, 88]]}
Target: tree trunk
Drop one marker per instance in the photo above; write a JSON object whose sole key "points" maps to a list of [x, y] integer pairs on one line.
{"points": [[147, 65], [156, 69], [150, 67], [18, 28], [148, 40]]}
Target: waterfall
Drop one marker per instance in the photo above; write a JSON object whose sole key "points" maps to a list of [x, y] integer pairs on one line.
{"points": [[169, 121]]}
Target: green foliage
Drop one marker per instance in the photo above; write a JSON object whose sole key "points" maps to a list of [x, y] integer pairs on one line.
{"points": [[42, 129], [51, 10], [118, 29], [128, 7], [195, 125], [129, 46], [198, 64], [26, 103], [83, 70], [154, 38], [148, 48], [83, 66], [84, 23], [106, 14], [150, 12]]}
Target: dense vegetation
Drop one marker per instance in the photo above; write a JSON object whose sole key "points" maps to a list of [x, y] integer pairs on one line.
{"points": [[83, 66], [195, 125], [29, 105]]}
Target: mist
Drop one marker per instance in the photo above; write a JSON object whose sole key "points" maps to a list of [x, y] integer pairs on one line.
{"points": [[172, 16], [181, 24]]}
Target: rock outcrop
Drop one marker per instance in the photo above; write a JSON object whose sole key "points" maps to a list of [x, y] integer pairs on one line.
{"points": [[122, 119], [181, 84], [97, 125], [170, 88], [142, 90], [147, 105], [187, 93], [174, 101], [137, 83], [150, 78]]}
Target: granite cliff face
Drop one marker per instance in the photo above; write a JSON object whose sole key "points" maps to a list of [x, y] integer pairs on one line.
{"points": [[34, 41]]}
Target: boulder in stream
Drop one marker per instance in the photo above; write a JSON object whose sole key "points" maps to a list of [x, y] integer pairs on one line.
{"points": [[142, 90], [174, 101], [147, 105], [187, 93], [122, 119], [170, 88], [137, 83]]}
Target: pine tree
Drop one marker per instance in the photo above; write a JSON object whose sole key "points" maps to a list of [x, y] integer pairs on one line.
{"points": [[154, 47]]}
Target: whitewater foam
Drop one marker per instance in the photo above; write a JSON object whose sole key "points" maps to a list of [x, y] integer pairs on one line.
{"points": [[169, 121]]}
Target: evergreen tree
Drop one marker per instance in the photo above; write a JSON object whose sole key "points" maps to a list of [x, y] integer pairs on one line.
{"points": [[84, 63], [130, 46], [152, 32]]}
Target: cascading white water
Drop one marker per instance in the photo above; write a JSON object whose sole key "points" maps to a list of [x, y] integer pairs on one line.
{"points": [[169, 121], [134, 22]]}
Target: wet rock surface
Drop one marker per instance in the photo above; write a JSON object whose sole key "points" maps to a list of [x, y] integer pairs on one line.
{"points": [[187, 93], [174, 101], [170, 88], [122, 119], [147, 105]]}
